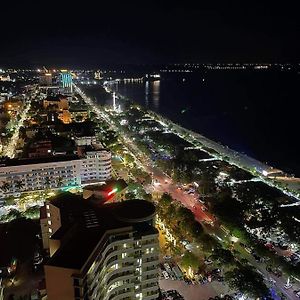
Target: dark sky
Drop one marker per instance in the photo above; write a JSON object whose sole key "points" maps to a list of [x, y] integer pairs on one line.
{"points": [[93, 33]]}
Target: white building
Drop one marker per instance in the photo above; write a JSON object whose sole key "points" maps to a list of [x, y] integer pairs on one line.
{"points": [[24, 175], [87, 140]]}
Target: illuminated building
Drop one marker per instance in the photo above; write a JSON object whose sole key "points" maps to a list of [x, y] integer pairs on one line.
{"points": [[5, 78], [60, 102], [13, 106], [86, 140], [65, 80], [104, 252], [98, 75], [24, 175], [79, 115], [61, 105]]}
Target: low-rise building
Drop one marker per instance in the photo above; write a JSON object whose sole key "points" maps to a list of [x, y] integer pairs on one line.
{"points": [[60, 102], [79, 115], [86, 140]]}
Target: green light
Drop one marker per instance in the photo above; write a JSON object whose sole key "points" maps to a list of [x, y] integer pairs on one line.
{"points": [[112, 191]]}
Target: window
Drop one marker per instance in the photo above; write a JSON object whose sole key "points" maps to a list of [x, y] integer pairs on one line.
{"points": [[49, 222], [50, 230], [48, 215], [77, 292], [76, 282]]}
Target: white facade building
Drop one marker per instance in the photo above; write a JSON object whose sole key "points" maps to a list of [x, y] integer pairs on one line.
{"points": [[17, 176]]}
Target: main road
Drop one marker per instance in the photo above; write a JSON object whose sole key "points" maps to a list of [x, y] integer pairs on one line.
{"points": [[162, 183], [9, 150]]}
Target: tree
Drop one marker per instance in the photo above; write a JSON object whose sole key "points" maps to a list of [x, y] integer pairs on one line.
{"points": [[224, 256], [195, 229], [60, 181], [19, 185], [5, 187], [190, 260], [165, 200], [47, 182], [245, 279]]}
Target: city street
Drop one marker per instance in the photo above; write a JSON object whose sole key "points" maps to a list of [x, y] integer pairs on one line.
{"points": [[163, 184], [10, 148]]}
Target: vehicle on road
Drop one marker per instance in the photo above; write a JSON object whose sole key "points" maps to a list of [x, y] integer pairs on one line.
{"points": [[165, 274]]}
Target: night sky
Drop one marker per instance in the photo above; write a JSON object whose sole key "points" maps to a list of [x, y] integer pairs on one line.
{"points": [[63, 33]]}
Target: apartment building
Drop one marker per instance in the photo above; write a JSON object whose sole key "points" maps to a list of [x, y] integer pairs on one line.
{"points": [[107, 252]]}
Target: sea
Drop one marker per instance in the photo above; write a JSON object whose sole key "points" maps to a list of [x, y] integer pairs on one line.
{"points": [[252, 111]]}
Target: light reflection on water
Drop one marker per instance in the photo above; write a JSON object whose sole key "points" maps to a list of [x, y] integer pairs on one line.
{"points": [[147, 92]]}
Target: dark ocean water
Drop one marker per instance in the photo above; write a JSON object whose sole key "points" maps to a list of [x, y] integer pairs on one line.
{"points": [[254, 112]]}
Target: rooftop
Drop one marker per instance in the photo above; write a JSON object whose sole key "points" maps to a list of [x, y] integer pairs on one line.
{"points": [[32, 161], [120, 184], [84, 225]]}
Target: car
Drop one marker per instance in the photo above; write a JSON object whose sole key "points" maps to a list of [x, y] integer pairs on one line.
{"points": [[165, 274], [272, 280], [184, 242], [257, 257], [208, 261], [204, 280], [248, 249], [287, 286]]}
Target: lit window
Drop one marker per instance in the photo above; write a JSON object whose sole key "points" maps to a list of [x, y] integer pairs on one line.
{"points": [[48, 215], [47, 206], [124, 255], [50, 230], [49, 222]]}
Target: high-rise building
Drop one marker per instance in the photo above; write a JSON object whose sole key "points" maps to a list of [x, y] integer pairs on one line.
{"points": [[107, 252], [65, 80]]}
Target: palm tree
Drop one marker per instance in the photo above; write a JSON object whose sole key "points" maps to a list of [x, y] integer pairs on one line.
{"points": [[60, 181], [19, 185], [5, 187], [47, 182]]}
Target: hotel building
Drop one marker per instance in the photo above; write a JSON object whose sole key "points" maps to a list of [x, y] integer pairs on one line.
{"points": [[107, 252], [25, 175]]}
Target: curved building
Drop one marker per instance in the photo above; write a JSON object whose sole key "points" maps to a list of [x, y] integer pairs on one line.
{"points": [[109, 252]]}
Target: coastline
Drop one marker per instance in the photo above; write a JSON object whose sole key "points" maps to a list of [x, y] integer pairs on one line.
{"points": [[289, 185]]}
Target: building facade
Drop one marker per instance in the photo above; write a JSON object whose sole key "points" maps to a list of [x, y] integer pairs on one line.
{"points": [[115, 254], [65, 80], [17, 176]]}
